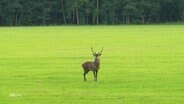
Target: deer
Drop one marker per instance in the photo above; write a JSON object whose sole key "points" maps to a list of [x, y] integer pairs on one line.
{"points": [[92, 65]]}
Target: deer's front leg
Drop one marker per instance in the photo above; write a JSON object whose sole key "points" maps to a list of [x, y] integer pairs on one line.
{"points": [[94, 72]]}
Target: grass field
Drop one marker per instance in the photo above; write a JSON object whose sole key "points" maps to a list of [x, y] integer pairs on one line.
{"points": [[139, 65]]}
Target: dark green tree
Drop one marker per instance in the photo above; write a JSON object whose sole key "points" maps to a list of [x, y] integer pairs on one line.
{"points": [[90, 12]]}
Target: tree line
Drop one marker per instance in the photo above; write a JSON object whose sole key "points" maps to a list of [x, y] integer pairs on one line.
{"points": [[89, 12]]}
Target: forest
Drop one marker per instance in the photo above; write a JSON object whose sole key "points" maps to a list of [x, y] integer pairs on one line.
{"points": [[89, 12]]}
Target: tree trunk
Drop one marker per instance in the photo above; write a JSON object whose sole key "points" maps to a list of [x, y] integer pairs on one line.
{"points": [[73, 16], [114, 12], [87, 19], [128, 19], [1, 20], [143, 20], [63, 12], [43, 20], [19, 18], [97, 19], [43, 16], [64, 18], [16, 18], [76, 13], [77, 16], [93, 20]]}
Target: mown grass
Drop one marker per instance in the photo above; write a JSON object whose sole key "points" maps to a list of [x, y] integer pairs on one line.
{"points": [[139, 65]]}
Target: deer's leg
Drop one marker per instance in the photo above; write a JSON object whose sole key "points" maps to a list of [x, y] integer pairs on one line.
{"points": [[85, 75], [96, 74]]}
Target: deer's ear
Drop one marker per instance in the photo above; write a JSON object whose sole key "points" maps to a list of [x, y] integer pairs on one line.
{"points": [[94, 54], [99, 54]]}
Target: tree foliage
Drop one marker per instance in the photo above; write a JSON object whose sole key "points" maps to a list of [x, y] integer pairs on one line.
{"points": [[90, 12]]}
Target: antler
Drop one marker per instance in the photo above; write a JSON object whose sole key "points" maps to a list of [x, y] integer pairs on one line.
{"points": [[92, 50], [101, 51]]}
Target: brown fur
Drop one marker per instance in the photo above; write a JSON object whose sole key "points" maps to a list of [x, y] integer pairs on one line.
{"points": [[92, 65]]}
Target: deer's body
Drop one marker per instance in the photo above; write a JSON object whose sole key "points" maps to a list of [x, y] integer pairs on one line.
{"points": [[92, 66]]}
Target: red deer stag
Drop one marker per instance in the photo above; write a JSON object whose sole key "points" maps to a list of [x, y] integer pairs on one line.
{"points": [[92, 65]]}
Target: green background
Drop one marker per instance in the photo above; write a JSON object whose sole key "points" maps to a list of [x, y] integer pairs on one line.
{"points": [[139, 64]]}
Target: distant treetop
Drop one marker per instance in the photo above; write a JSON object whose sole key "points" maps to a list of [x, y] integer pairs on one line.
{"points": [[89, 12]]}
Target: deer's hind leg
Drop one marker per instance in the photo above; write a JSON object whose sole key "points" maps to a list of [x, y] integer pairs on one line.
{"points": [[85, 72]]}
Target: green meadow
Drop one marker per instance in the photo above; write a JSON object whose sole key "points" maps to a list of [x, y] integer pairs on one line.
{"points": [[139, 65]]}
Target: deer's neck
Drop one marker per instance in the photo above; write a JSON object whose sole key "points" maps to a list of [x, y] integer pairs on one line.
{"points": [[97, 62]]}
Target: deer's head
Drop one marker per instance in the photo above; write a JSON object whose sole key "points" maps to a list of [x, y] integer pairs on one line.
{"points": [[97, 55]]}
